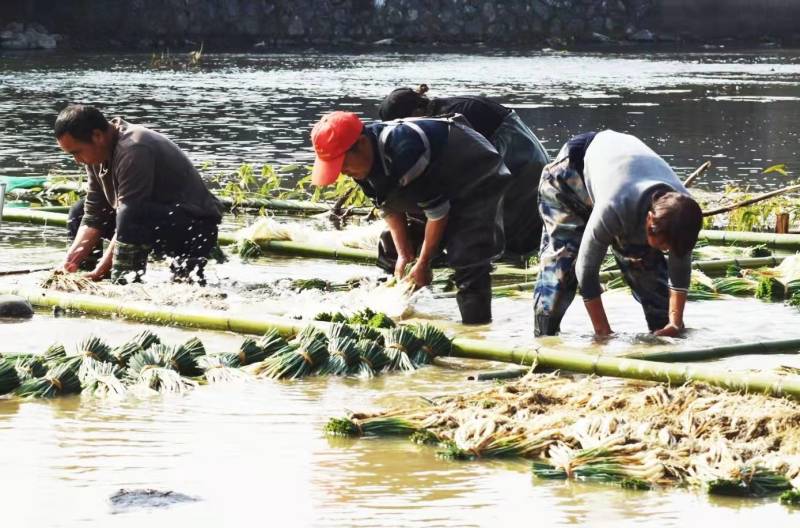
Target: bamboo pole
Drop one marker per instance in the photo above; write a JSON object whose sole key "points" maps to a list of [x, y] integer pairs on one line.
{"points": [[284, 247], [5, 273], [741, 238], [706, 266], [696, 174], [670, 373], [750, 201], [157, 315], [33, 216], [702, 354], [674, 374], [511, 373]]}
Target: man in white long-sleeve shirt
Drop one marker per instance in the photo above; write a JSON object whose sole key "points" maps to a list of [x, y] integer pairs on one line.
{"points": [[610, 189]]}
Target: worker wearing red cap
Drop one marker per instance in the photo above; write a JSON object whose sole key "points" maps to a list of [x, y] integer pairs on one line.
{"points": [[440, 185]]}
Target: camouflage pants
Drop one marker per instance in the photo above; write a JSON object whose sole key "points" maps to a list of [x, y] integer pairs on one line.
{"points": [[565, 206]]}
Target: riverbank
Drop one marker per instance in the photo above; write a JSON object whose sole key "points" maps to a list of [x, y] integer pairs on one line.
{"points": [[246, 25]]}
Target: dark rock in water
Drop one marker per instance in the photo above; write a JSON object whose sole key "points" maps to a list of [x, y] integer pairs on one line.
{"points": [[125, 500], [15, 307]]}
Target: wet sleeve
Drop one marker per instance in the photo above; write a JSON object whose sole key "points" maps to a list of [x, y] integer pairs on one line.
{"points": [[597, 236], [96, 209], [680, 271], [135, 174]]}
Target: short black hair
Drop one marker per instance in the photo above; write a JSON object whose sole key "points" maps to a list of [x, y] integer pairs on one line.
{"points": [[80, 121], [678, 219]]}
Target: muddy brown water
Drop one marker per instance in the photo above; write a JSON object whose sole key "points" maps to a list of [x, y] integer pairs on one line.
{"points": [[255, 452]]}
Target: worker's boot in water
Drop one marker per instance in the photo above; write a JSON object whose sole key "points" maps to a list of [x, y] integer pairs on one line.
{"points": [[190, 269], [130, 262]]}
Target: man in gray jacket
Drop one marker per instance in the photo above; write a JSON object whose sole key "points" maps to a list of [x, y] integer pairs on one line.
{"points": [[609, 189], [144, 194]]}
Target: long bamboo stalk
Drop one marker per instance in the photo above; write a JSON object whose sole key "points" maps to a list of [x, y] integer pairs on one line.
{"points": [[148, 313], [34, 216], [676, 374], [701, 354], [671, 373], [288, 206], [750, 201], [706, 266], [741, 238]]}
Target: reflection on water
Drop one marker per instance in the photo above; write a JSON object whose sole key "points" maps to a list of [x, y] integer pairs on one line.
{"points": [[736, 109], [254, 453]]}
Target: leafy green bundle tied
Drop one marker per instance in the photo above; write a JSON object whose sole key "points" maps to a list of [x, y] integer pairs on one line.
{"points": [[401, 346], [59, 381], [750, 481], [306, 355], [9, 379], [434, 343]]}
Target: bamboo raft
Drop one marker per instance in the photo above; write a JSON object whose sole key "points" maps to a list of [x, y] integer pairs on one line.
{"points": [[621, 367]]}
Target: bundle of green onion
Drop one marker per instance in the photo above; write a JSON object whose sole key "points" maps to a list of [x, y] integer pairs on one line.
{"points": [[9, 380], [434, 343], [735, 286], [372, 358], [343, 351], [59, 381], [150, 369], [401, 345], [307, 354], [101, 379], [750, 481], [378, 426], [769, 288], [30, 366]]}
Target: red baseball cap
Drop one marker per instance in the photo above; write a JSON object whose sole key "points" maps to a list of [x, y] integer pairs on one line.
{"points": [[332, 137]]}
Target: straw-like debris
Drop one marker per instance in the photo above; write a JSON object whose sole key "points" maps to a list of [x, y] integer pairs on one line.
{"points": [[633, 434], [69, 282]]}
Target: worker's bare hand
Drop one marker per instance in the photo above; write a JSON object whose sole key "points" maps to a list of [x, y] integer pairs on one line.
{"points": [[96, 275], [421, 274], [69, 267], [671, 330], [401, 265]]}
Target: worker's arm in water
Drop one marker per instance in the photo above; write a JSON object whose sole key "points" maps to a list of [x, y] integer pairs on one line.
{"points": [[85, 241], [399, 230], [597, 314], [597, 236], [434, 232], [103, 268], [677, 302]]}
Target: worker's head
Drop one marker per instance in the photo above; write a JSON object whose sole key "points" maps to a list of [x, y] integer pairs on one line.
{"points": [[673, 223], [85, 133], [341, 148], [404, 102]]}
